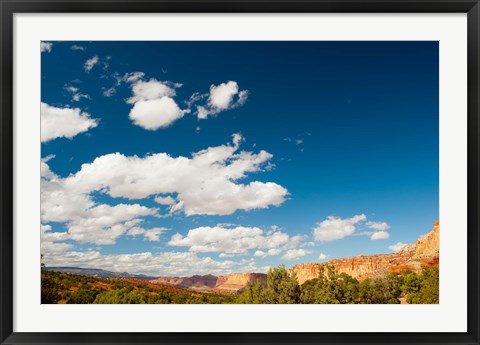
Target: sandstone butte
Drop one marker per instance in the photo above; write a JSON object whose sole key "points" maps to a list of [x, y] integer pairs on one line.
{"points": [[423, 253]]}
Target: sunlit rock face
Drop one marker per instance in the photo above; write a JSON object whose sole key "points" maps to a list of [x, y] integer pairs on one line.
{"points": [[236, 282], [200, 283], [423, 253]]}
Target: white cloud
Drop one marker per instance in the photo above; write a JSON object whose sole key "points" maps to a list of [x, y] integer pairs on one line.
{"points": [[109, 92], [295, 254], [397, 247], [87, 222], [164, 200], [49, 241], [76, 94], [63, 122], [132, 77], [203, 184], [77, 47], [335, 228], [380, 235], [162, 264], [90, 63], [380, 226], [152, 234], [156, 113], [270, 252], [46, 47], [103, 224], [221, 97], [149, 90], [238, 240], [153, 105], [322, 256]]}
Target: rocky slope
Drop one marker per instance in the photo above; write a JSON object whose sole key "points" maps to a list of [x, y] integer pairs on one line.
{"points": [[200, 283], [236, 282], [425, 252]]}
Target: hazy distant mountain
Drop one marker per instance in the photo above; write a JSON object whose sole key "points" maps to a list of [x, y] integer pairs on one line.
{"points": [[95, 272]]}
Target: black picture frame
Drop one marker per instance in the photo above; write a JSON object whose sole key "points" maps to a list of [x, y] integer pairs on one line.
{"points": [[9, 7]]}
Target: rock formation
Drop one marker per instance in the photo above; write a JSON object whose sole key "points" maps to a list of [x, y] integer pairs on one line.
{"points": [[425, 252], [236, 282], [199, 283]]}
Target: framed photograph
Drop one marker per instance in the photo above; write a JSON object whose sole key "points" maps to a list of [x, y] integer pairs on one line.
{"points": [[239, 172]]}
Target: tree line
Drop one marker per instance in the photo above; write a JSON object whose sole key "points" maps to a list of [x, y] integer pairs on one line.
{"points": [[331, 287], [282, 287]]}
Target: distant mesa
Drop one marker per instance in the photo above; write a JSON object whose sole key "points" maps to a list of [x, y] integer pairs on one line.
{"points": [[237, 282], [413, 257], [196, 282], [96, 272]]}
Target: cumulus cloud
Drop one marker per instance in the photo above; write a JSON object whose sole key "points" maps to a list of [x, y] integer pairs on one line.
{"points": [[63, 122], [380, 226], [397, 247], [295, 254], [90, 63], [168, 200], [152, 234], [149, 90], [380, 235], [220, 98], [46, 47], [162, 264], [206, 183], [49, 241], [335, 228], [322, 256], [156, 113], [238, 240], [86, 221], [153, 105], [270, 252]]}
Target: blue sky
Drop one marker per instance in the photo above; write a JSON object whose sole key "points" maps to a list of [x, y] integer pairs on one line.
{"points": [[346, 130]]}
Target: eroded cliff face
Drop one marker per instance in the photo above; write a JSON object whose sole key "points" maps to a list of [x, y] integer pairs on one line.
{"points": [[425, 252], [429, 245], [200, 283], [236, 282]]}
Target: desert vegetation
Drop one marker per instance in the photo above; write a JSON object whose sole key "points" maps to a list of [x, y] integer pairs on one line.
{"points": [[65, 288], [282, 287], [331, 287]]}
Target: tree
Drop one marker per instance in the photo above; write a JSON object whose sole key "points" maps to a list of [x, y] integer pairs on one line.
{"points": [[428, 293], [49, 289], [282, 287], [252, 294]]}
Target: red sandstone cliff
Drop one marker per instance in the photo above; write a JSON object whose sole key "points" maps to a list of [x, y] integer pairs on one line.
{"points": [[200, 283], [425, 252]]}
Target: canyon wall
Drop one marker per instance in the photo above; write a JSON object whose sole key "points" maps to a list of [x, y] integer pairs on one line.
{"points": [[236, 282], [425, 252], [200, 283]]}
